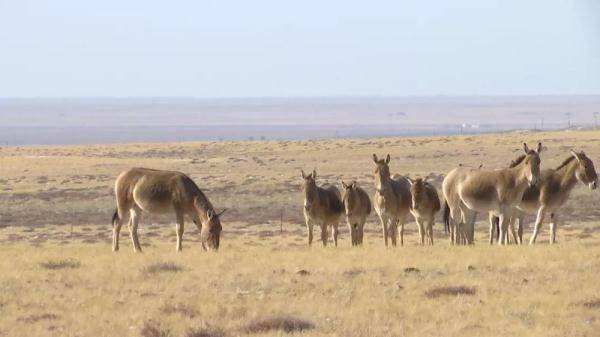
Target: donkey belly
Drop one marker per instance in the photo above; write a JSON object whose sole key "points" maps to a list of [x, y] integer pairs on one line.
{"points": [[530, 208], [154, 206], [479, 203], [153, 199]]}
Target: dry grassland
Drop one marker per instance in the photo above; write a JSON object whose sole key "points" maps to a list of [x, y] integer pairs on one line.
{"points": [[63, 280]]}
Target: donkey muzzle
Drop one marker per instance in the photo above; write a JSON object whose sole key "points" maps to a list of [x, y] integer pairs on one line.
{"points": [[533, 182], [593, 185]]}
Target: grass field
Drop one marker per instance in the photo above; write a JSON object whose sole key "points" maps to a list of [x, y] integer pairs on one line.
{"points": [[58, 276]]}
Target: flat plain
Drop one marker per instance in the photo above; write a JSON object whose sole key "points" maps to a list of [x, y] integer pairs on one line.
{"points": [[58, 276]]}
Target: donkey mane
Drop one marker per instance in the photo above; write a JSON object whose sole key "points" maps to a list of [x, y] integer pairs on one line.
{"points": [[196, 191], [565, 162], [517, 161]]}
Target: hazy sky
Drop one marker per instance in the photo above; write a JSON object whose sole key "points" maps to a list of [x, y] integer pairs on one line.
{"points": [[220, 48]]}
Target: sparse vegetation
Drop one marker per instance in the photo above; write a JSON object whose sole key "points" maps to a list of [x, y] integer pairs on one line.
{"points": [[162, 267], [207, 331], [592, 304], [60, 264], [180, 308], [284, 323], [36, 318], [154, 329], [262, 269], [450, 291]]}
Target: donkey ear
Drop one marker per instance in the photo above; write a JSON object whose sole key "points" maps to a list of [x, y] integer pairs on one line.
{"points": [[539, 148], [353, 184], [344, 185], [210, 214], [410, 181], [375, 159], [387, 159], [303, 174], [576, 155], [525, 148], [314, 174]]}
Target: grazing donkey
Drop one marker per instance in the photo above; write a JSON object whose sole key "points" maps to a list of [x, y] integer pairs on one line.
{"points": [[161, 192], [392, 200], [553, 191], [322, 206], [425, 204], [496, 192], [358, 206]]}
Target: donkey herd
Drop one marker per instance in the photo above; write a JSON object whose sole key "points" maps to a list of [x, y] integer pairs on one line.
{"points": [[506, 195]]}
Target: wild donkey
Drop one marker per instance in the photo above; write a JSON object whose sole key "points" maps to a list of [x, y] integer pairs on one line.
{"points": [[496, 192], [425, 204], [553, 191], [161, 192], [392, 200], [322, 206], [358, 206]]}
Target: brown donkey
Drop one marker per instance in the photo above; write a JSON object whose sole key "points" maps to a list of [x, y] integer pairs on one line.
{"points": [[161, 192], [553, 191], [425, 205], [322, 206], [358, 206], [391, 201], [496, 192]]}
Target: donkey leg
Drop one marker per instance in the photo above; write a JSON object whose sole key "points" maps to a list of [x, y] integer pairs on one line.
{"points": [[421, 231], [334, 233], [384, 224], [116, 233], [179, 232], [553, 224], [133, 226], [520, 228], [538, 222], [352, 231], [471, 227], [430, 230], [451, 228], [513, 232], [503, 219], [361, 233], [324, 233], [309, 230], [393, 230], [492, 227], [501, 229]]}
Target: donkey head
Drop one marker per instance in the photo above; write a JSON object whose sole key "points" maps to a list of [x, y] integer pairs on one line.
{"points": [[417, 191], [349, 196], [586, 173], [309, 187], [531, 164], [382, 173], [210, 234]]}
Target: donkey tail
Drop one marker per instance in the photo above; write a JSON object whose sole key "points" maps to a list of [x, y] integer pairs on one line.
{"points": [[446, 217], [115, 217]]}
